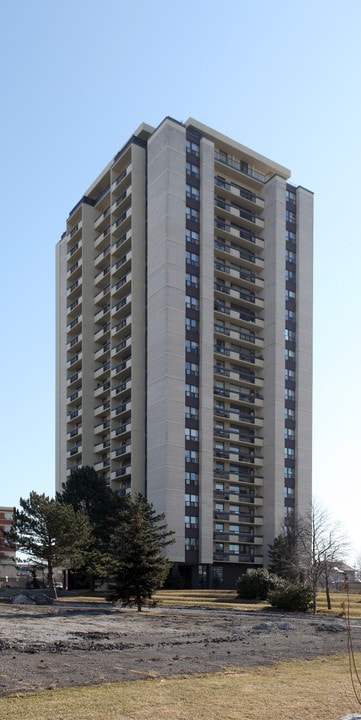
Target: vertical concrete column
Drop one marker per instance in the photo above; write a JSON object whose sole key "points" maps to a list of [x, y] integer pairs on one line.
{"points": [[274, 358], [166, 327], [206, 353], [304, 302], [60, 360], [138, 319]]}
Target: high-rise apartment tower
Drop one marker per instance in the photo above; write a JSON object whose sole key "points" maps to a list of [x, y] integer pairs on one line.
{"points": [[184, 342]]}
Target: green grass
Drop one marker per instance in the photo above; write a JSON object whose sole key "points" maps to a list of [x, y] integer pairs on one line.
{"points": [[301, 690]]}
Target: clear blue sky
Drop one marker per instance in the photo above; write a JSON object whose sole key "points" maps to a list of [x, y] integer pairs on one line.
{"points": [[78, 76]]}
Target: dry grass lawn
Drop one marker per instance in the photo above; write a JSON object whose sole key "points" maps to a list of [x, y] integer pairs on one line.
{"points": [[288, 691]]}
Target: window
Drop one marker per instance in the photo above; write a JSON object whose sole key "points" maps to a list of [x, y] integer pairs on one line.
{"points": [[191, 543], [192, 303], [289, 414], [191, 434], [191, 368], [192, 390], [233, 549], [289, 492], [192, 280], [289, 473], [219, 527], [290, 216], [219, 548], [291, 197], [234, 509], [192, 148], [234, 489], [289, 394], [192, 170], [191, 522], [191, 478], [290, 335], [191, 413], [217, 576], [290, 315], [192, 258], [191, 456], [234, 529], [219, 467], [289, 453], [192, 192], [219, 507], [290, 374], [192, 346], [290, 237], [290, 295], [192, 236], [191, 324], [219, 486], [290, 354], [191, 500], [289, 434], [192, 215], [290, 256]]}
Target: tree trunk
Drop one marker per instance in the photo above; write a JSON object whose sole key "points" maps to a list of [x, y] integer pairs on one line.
{"points": [[328, 597], [51, 581], [314, 589]]}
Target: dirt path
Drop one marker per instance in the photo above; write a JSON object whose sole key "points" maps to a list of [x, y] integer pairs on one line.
{"points": [[84, 644]]}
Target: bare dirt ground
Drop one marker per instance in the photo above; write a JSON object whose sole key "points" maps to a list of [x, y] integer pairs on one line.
{"points": [[64, 645]]}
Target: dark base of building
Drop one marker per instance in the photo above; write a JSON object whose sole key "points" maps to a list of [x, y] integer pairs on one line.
{"points": [[206, 577]]}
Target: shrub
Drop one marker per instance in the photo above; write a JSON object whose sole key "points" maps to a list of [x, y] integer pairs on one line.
{"points": [[292, 597], [256, 584]]}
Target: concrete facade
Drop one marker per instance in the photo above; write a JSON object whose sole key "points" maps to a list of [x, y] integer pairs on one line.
{"points": [[184, 342]]}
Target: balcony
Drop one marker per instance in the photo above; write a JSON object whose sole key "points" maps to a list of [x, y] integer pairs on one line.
{"points": [[102, 370], [249, 219], [101, 294], [100, 314], [122, 265], [244, 237], [120, 286], [122, 243], [124, 407], [102, 465], [100, 447], [102, 351], [250, 260], [75, 269], [122, 387], [250, 200], [102, 278], [102, 409], [102, 240], [121, 429], [101, 427], [74, 361], [102, 331], [121, 367], [74, 289], [74, 250], [121, 472], [238, 168], [124, 449], [99, 221], [74, 377], [102, 257], [122, 345], [122, 223]]}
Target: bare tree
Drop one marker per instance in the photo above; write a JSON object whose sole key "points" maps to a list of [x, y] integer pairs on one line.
{"points": [[324, 544]]}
